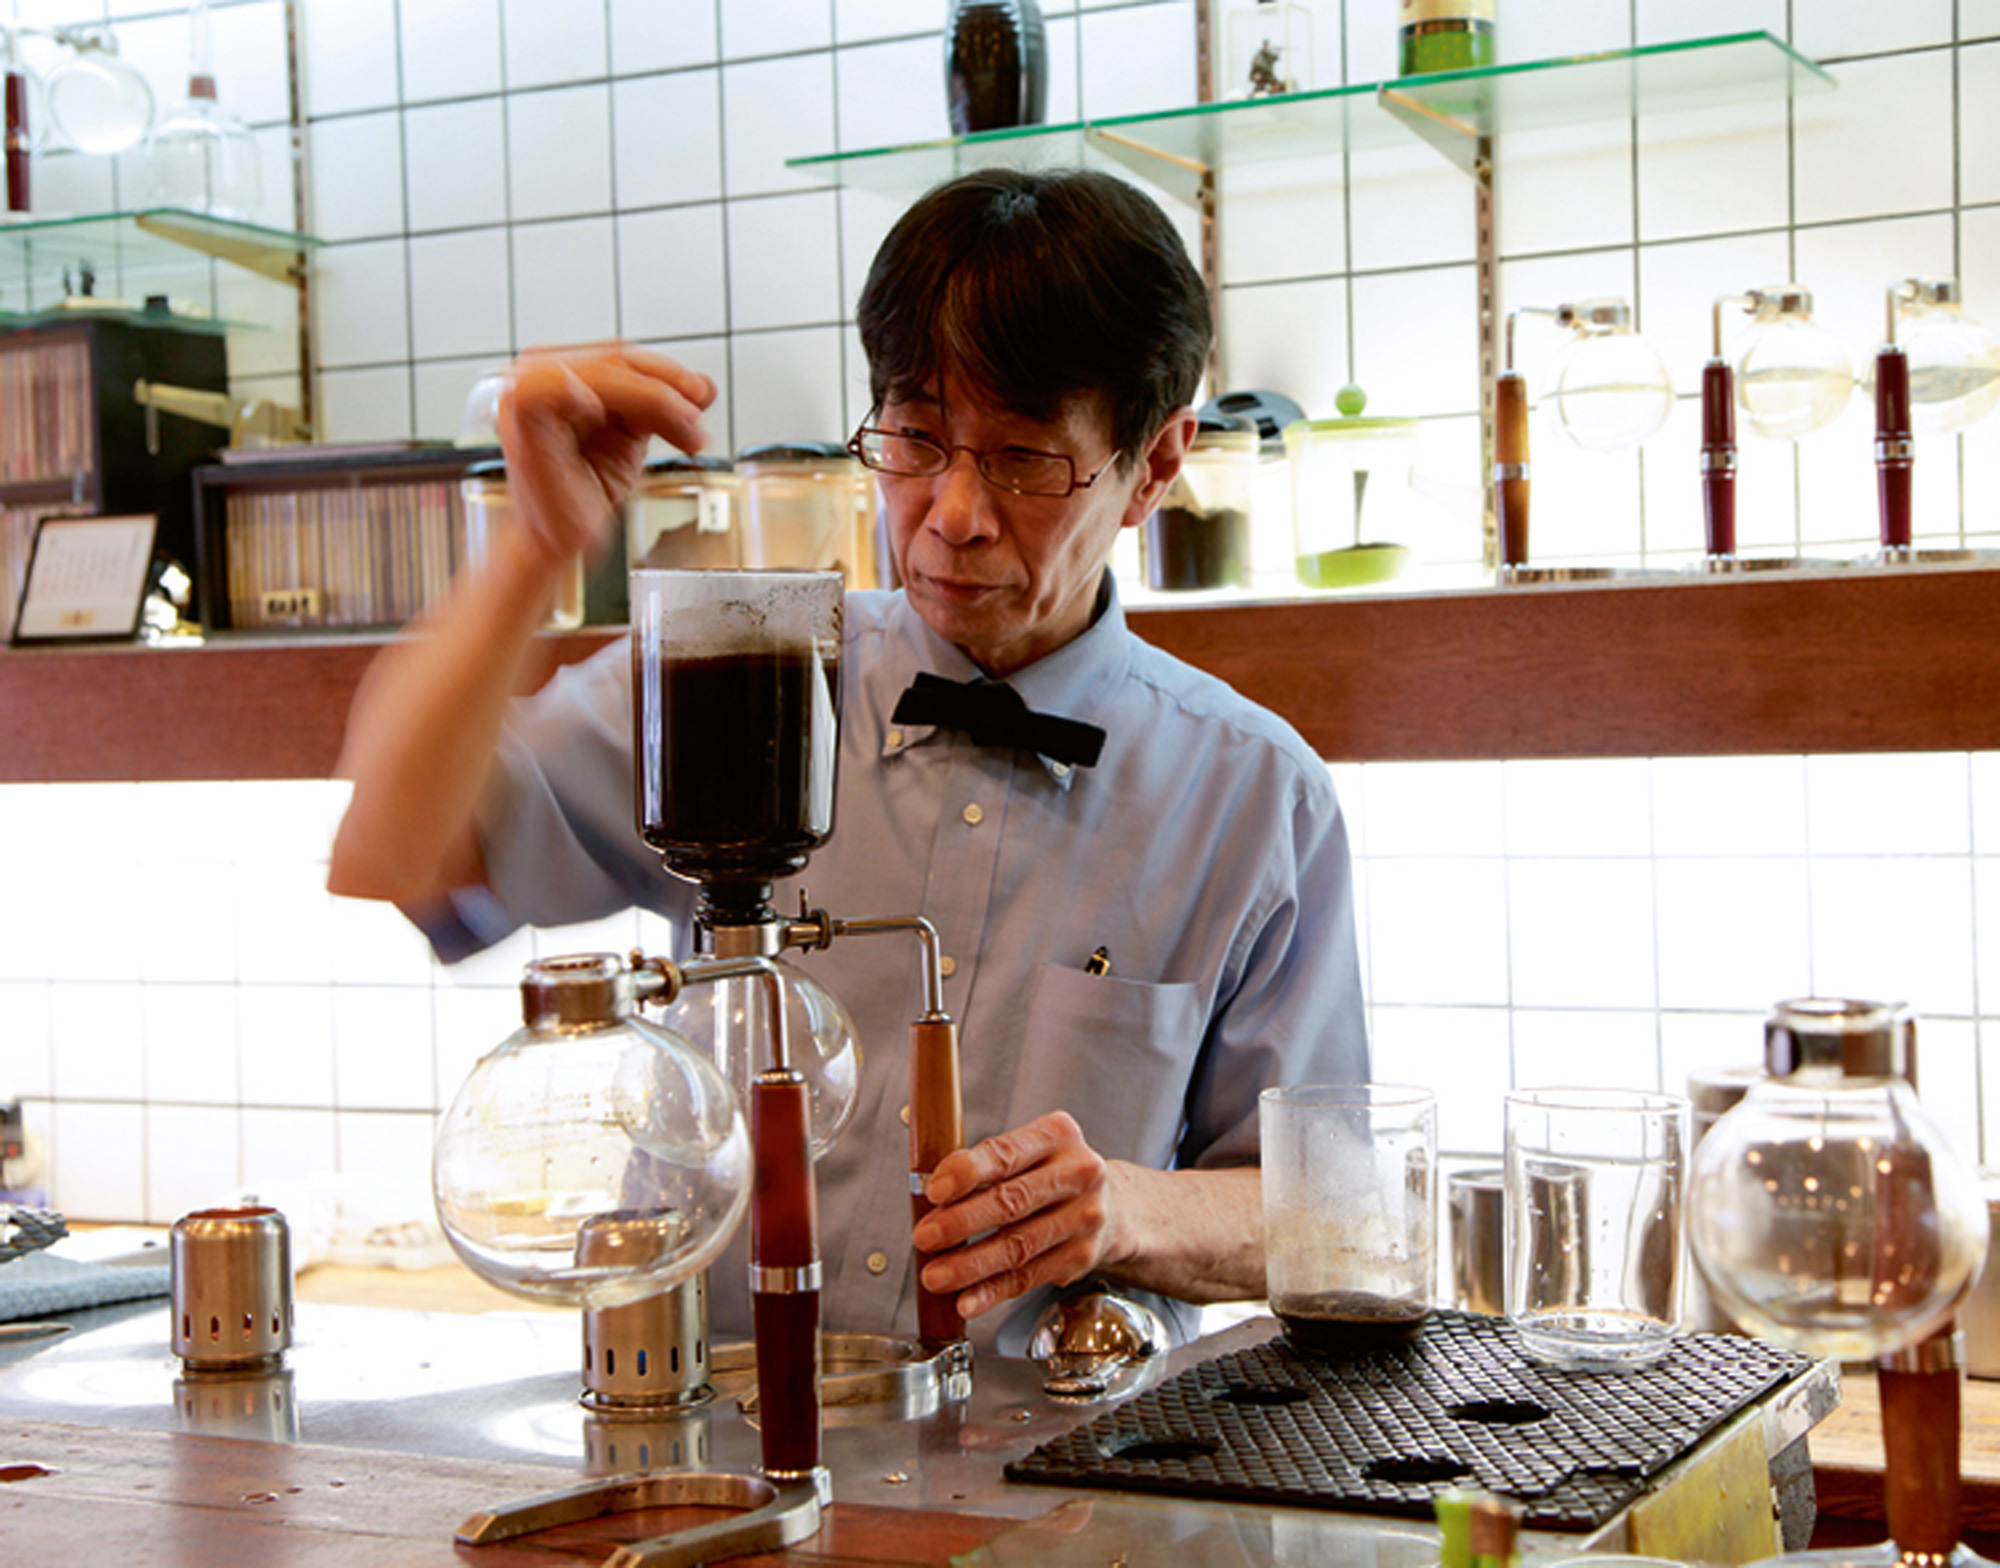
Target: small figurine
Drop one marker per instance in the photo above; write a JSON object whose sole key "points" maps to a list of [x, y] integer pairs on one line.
{"points": [[1264, 78]]}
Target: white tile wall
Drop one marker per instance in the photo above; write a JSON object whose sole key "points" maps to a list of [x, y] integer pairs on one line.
{"points": [[487, 177], [450, 48], [548, 42], [667, 138], [565, 282], [456, 164], [559, 152]]}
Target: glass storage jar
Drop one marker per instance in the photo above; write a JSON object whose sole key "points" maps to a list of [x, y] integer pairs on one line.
{"points": [[1200, 535], [808, 506], [483, 491], [683, 516], [1345, 470]]}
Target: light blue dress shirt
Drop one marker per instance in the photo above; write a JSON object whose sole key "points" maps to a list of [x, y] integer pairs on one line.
{"points": [[1205, 851]]}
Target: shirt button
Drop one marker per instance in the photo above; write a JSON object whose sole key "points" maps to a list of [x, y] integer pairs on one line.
{"points": [[1059, 769], [947, 966], [904, 1114], [974, 814], [895, 737], [877, 1262]]}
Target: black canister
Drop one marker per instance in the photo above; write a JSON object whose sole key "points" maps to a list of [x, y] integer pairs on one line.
{"points": [[995, 65]]}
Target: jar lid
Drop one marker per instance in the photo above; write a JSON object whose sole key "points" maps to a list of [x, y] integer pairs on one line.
{"points": [[1268, 412], [684, 465], [1855, 1039], [1350, 400], [806, 452], [1299, 431], [1225, 438]]}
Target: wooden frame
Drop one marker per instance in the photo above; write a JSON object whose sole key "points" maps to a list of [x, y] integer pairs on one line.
{"points": [[1839, 661]]}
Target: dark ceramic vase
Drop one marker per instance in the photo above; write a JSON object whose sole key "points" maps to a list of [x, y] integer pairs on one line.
{"points": [[995, 65]]}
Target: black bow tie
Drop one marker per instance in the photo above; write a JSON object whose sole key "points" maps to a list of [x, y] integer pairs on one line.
{"points": [[991, 713]]}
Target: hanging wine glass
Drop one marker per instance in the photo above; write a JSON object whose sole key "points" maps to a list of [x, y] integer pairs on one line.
{"points": [[1829, 1213]]}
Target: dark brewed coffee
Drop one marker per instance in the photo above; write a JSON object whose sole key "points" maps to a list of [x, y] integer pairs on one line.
{"points": [[736, 761], [1343, 1322]]}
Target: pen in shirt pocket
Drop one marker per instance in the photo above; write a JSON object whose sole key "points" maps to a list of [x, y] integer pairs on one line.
{"points": [[1099, 962]]}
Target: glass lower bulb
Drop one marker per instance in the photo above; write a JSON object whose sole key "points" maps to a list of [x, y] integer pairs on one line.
{"points": [[1792, 377], [724, 1022], [1954, 368], [1832, 1217], [564, 1129], [1611, 391]]}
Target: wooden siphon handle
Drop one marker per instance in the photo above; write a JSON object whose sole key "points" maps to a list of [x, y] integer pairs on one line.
{"points": [[784, 1264], [1920, 1440], [1510, 465], [1895, 453], [1718, 455], [937, 1127]]}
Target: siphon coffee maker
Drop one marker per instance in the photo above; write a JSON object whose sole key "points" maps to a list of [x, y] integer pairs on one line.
{"points": [[735, 709], [1830, 1214], [735, 706]]}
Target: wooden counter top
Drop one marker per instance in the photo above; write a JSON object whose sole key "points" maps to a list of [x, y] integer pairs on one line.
{"points": [[1848, 1459], [170, 1497]]}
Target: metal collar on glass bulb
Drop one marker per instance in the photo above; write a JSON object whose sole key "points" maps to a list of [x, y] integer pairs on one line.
{"points": [[1586, 318], [590, 990], [1849, 1038], [1773, 300], [1918, 291], [579, 991]]}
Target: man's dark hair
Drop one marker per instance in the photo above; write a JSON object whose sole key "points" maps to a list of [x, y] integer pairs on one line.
{"points": [[1038, 288]]}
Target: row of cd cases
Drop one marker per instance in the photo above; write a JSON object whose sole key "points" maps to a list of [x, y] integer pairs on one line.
{"points": [[47, 413], [315, 542], [330, 538]]}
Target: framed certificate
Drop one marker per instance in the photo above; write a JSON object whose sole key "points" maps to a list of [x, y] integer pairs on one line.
{"points": [[86, 579]]}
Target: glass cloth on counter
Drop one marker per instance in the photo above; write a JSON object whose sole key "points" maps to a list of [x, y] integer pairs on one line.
{"points": [[38, 1285]]}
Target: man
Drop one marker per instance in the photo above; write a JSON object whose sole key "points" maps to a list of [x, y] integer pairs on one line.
{"points": [[1034, 341]]}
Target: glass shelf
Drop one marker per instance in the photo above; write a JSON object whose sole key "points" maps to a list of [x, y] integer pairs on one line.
{"points": [[127, 250], [1452, 110]]}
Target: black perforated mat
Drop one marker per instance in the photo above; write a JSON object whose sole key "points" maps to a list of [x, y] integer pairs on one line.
{"points": [[1382, 1431]]}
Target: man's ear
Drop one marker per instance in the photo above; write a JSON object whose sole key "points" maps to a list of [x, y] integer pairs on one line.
{"points": [[1159, 463]]}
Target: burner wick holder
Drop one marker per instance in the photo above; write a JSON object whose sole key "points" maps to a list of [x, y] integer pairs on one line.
{"points": [[231, 1285]]}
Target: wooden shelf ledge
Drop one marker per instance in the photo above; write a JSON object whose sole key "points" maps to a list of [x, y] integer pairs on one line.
{"points": [[1836, 661]]}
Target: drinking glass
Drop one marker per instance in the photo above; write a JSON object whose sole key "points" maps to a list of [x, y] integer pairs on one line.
{"points": [[1594, 1246], [1350, 1226]]}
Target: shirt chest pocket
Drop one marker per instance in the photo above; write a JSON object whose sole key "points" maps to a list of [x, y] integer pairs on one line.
{"points": [[1116, 1054]]}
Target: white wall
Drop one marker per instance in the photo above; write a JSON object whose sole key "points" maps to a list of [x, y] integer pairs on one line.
{"points": [[184, 1008]]}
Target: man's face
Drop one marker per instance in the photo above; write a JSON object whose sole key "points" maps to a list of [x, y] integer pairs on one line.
{"points": [[1009, 578]]}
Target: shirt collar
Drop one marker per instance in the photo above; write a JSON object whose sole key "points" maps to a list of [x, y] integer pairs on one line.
{"points": [[1076, 681]]}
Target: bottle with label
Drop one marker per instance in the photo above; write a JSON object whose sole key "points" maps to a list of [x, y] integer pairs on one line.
{"points": [[1444, 35]]}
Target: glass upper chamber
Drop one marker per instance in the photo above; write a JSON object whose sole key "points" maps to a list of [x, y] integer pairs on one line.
{"points": [[736, 720]]}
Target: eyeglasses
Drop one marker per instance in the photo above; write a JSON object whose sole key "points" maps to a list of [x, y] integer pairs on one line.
{"points": [[1015, 469]]}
